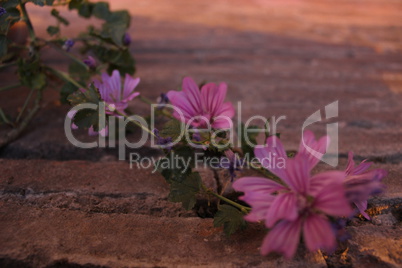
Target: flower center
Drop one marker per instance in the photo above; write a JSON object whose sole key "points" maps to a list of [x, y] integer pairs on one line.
{"points": [[304, 203]]}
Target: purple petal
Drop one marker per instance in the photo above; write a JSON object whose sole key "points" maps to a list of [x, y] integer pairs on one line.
{"points": [[212, 97], [352, 170], [102, 90], [253, 184], [360, 187], [298, 173], [222, 122], [318, 234], [312, 149], [192, 94], [112, 86], [227, 109], [132, 96], [260, 203], [331, 198], [322, 180], [129, 86], [257, 195], [362, 206], [178, 99], [283, 238], [92, 132], [90, 62], [273, 152], [351, 164], [115, 85], [222, 119], [71, 115], [119, 106], [284, 207], [362, 167]]}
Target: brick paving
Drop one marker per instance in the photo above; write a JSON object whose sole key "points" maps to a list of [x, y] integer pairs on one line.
{"points": [[63, 206]]}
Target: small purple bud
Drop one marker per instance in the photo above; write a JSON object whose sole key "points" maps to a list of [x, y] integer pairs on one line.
{"points": [[68, 44], [126, 39], [197, 136], [90, 62], [162, 141], [2, 11], [232, 163], [162, 100]]}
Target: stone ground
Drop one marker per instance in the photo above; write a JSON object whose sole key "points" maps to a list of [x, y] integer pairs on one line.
{"points": [[63, 206]]}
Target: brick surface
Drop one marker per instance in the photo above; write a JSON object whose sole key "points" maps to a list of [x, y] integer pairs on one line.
{"points": [[61, 206], [120, 240]]}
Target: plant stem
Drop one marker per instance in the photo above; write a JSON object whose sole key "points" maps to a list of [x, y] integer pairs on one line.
{"points": [[14, 133], [4, 117], [28, 21], [265, 172], [8, 64], [64, 76], [10, 87], [146, 100], [68, 55], [25, 105], [244, 209], [136, 123]]}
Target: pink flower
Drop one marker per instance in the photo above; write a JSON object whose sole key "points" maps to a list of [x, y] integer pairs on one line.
{"points": [[199, 107], [360, 183], [299, 205], [115, 96]]}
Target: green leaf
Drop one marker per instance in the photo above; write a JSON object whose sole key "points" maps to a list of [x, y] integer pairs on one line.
{"points": [[121, 60], [116, 26], [38, 2], [11, 17], [10, 4], [75, 4], [85, 9], [55, 13], [252, 137], [90, 95], [76, 98], [86, 118], [78, 72], [67, 90], [186, 190], [172, 129], [121, 17], [53, 30], [38, 81], [101, 10], [31, 74], [230, 218], [173, 171], [113, 32], [3, 45], [42, 2]]}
